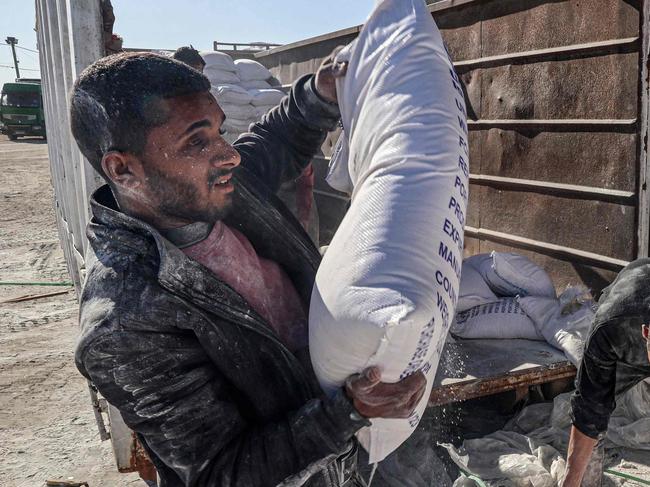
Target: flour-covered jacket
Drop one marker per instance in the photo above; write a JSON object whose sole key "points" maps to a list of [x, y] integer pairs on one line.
{"points": [[213, 395]]}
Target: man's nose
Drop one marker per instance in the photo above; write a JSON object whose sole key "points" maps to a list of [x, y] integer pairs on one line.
{"points": [[226, 158]]}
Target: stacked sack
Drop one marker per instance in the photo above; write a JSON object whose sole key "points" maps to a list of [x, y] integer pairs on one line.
{"points": [[241, 88], [505, 295]]}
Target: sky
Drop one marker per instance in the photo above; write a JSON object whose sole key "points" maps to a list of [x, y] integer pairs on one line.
{"points": [[168, 24]]}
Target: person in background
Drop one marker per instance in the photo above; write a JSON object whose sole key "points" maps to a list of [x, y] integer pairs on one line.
{"points": [[189, 56], [616, 357]]}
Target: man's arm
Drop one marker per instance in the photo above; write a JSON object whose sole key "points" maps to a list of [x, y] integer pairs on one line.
{"points": [[592, 403], [282, 144], [169, 391]]}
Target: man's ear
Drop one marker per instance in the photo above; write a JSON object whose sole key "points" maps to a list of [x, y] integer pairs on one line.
{"points": [[645, 331], [123, 169]]}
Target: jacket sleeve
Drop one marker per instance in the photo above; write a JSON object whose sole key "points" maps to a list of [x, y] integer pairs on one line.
{"points": [[282, 144], [170, 393], [594, 399]]}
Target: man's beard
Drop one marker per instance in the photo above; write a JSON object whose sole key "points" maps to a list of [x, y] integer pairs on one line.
{"points": [[179, 199]]}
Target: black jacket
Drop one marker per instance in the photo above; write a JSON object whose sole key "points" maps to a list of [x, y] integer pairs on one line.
{"points": [[615, 357], [214, 396]]}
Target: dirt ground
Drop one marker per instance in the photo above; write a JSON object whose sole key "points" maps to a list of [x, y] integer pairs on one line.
{"points": [[47, 427]]}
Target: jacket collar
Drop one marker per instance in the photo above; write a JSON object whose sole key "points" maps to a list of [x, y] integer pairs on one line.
{"points": [[273, 231]]}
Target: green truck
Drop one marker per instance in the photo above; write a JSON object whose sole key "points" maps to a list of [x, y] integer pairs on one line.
{"points": [[21, 109]]}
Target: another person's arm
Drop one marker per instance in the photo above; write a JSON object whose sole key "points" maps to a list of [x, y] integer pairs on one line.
{"points": [[592, 403], [283, 143], [170, 392], [580, 450]]}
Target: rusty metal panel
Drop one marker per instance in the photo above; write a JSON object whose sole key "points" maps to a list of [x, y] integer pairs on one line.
{"points": [[462, 32], [523, 25], [602, 87], [288, 63], [593, 226], [570, 70], [606, 160]]}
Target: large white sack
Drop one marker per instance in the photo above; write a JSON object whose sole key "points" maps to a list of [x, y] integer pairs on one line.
{"points": [[250, 70], [239, 112], [231, 94], [218, 76], [266, 97], [474, 291], [510, 274], [565, 322], [255, 85], [219, 60], [387, 287], [502, 319]]}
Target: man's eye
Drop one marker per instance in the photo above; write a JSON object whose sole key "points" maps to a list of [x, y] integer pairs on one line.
{"points": [[196, 142]]}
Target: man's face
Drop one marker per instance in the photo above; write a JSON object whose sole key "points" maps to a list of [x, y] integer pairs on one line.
{"points": [[187, 164]]}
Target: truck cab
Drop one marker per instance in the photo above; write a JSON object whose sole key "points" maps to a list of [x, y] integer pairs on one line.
{"points": [[21, 109]]}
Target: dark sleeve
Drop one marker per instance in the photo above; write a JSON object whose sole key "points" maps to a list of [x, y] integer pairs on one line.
{"points": [[282, 144], [594, 400], [171, 394]]}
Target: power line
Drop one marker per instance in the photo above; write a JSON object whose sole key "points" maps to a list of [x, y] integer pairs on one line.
{"points": [[11, 67], [19, 47], [26, 49]]}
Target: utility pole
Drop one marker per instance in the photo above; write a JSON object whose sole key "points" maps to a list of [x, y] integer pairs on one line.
{"points": [[12, 41]]}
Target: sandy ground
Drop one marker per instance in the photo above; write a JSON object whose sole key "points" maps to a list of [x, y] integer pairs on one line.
{"points": [[47, 427]]}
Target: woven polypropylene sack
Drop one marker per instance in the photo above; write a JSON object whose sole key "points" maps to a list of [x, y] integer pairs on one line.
{"points": [[231, 94], [218, 76], [474, 291], [510, 274], [386, 290], [255, 85], [502, 319], [219, 60], [250, 70], [265, 97]]}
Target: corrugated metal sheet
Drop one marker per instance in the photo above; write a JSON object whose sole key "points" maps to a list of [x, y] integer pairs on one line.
{"points": [[555, 91], [70, 38]]}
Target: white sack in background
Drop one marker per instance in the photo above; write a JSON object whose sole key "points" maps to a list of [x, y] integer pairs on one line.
{"points": [[501, 319], [564, 322], [231, 94], [218, 76], [239, 112], [515, 275], [474, 291], [250, 70], [255, 85], [387, 287], [266, 97], [219, 60]]}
